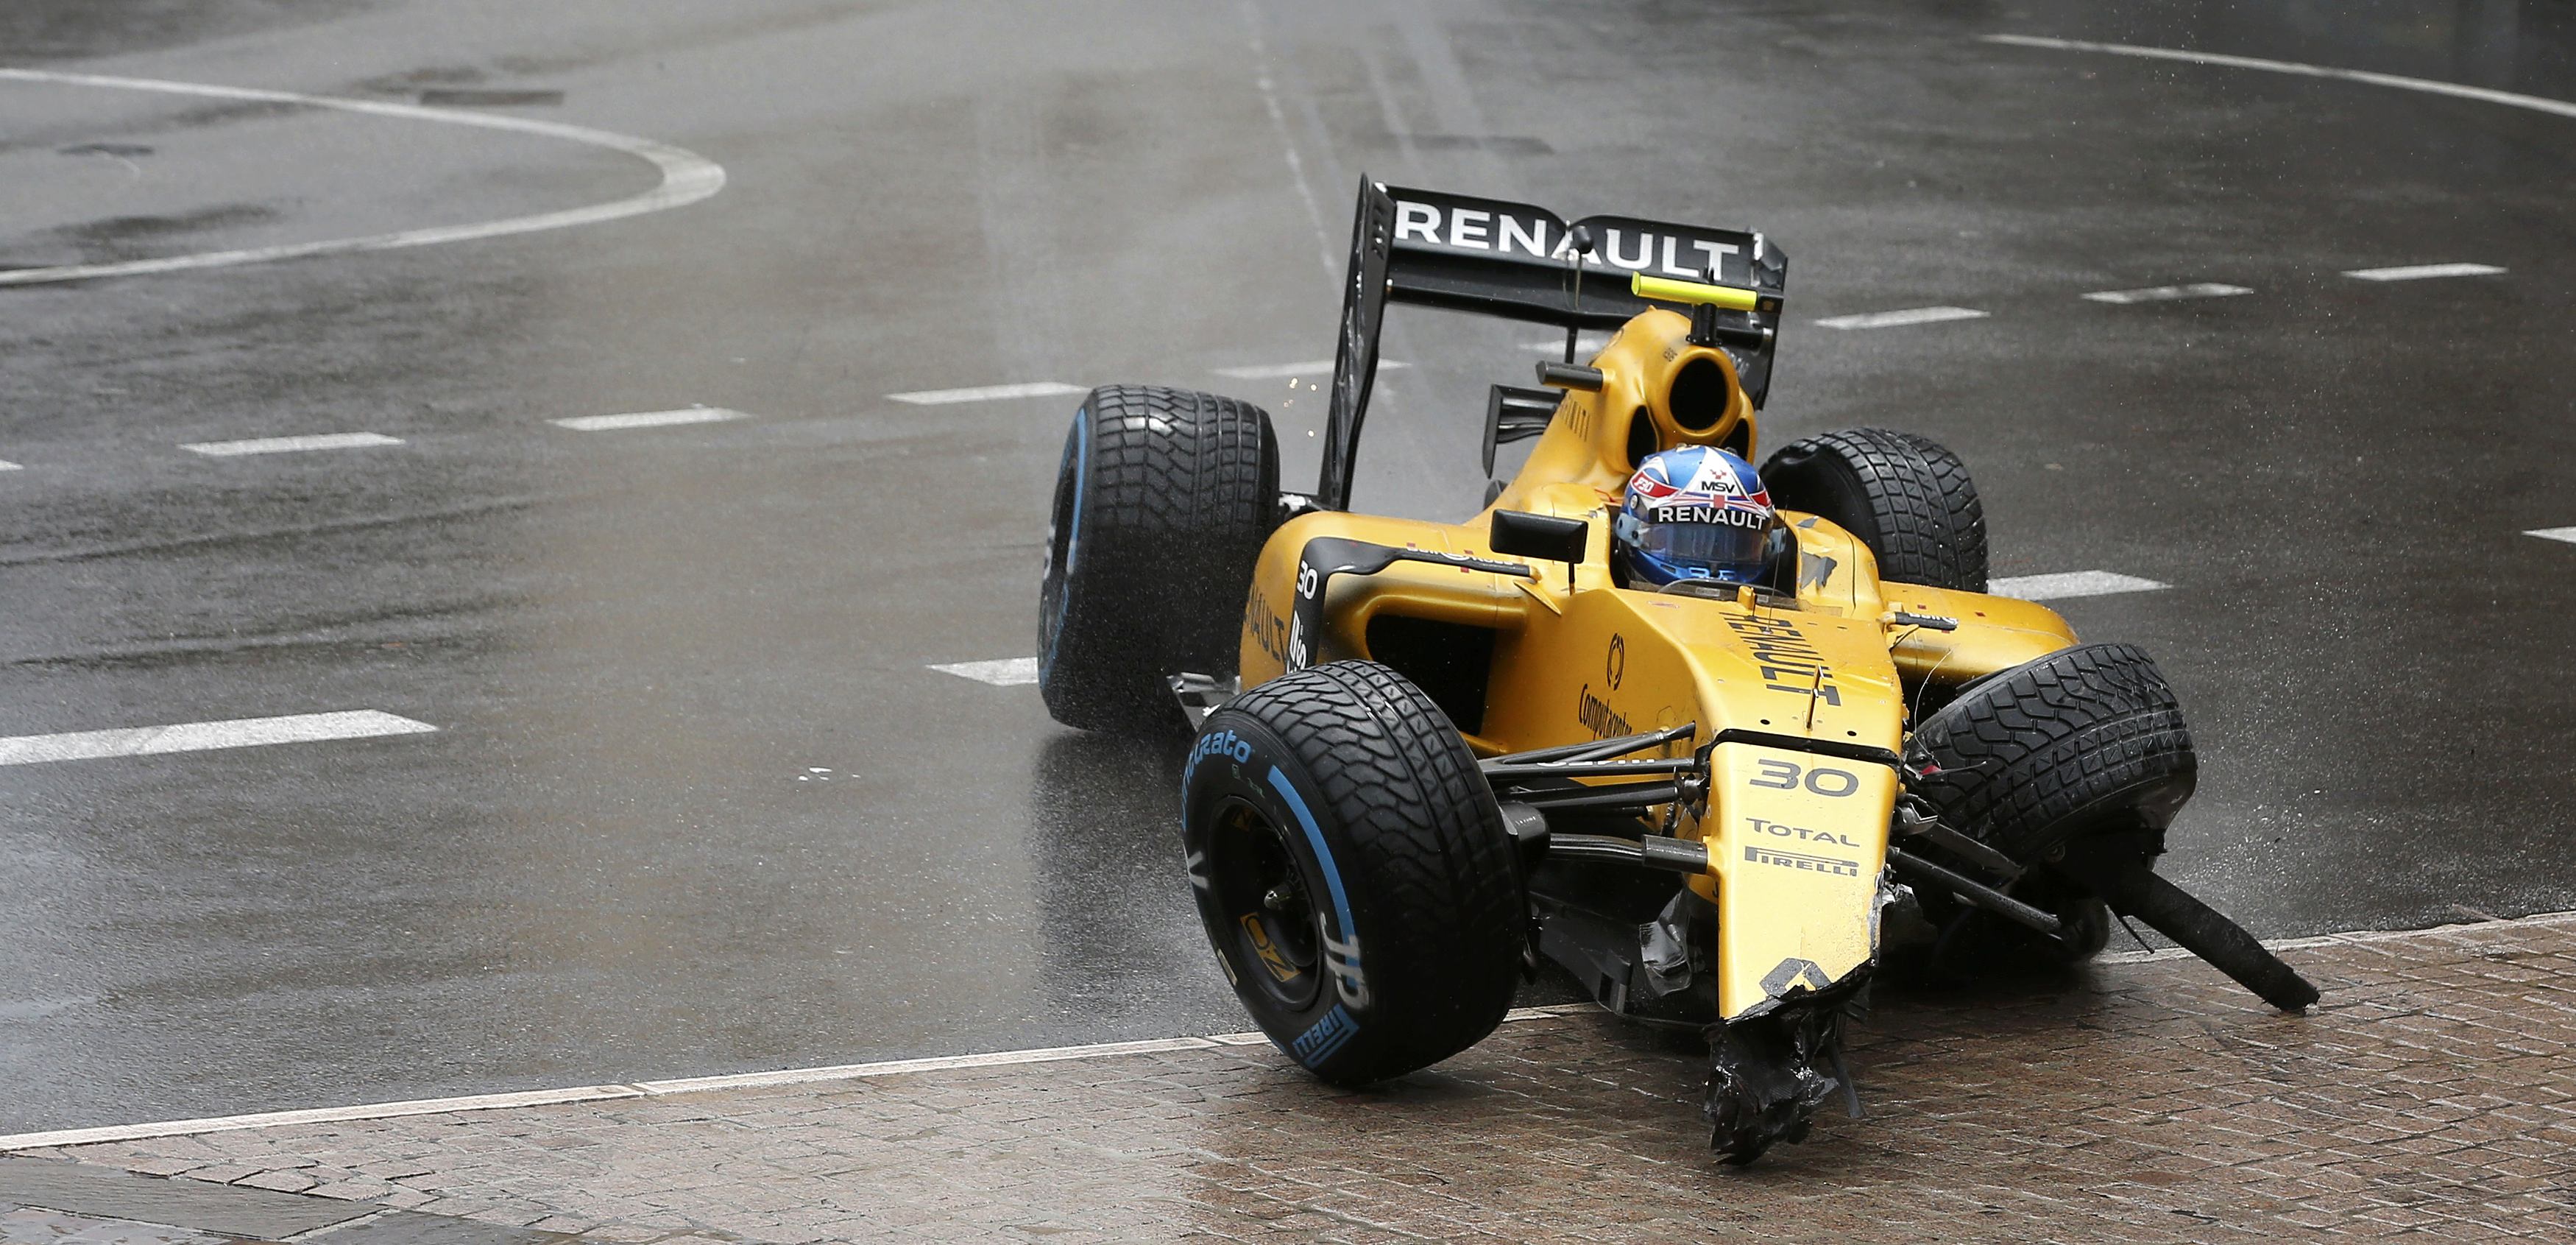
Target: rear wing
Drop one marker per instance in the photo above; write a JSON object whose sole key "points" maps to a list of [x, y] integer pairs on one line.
{"points": [[1519, 262]]}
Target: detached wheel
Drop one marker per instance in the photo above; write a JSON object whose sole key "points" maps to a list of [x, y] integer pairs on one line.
{"points": [[1161, 507], [2084, 750], [2076, 764], [2086, 738], [1353, 872], [1906, 497]]}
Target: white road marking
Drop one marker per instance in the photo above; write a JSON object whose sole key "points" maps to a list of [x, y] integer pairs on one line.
{"points": [[681, 1085], [2554, 107], [2567, 534], [686, 178], [6, 465], [314, 1115], [290, 445], [648, 419], [2168, 293], [294, 728], [1312, 367], [1898, 319], [895, 1067], [1006, 672], [2418, 272], [2067, 584], [988, 393]]}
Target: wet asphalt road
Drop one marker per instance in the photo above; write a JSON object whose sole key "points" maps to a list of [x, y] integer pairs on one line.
{"points": [[695, 804]]}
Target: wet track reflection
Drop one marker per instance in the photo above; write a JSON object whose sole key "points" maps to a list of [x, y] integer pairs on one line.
{"points": [[699, 801], [1117, 930]]}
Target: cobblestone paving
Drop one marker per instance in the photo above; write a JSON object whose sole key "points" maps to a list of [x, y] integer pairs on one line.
{"points": [[2433, 1094]]}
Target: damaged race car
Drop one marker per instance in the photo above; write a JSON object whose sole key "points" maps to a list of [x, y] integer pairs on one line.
{"points": [[1724, 743]]}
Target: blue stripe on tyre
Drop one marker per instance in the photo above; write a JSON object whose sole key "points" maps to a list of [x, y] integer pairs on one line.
{"points": [[1081, 472], [1323, 855], [1072, 540]]}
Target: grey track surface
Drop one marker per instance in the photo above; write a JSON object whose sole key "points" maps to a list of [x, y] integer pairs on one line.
{"points": [[605, 866]]}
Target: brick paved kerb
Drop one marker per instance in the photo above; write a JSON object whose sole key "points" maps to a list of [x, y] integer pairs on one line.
{"points": [[2432, 1094]]}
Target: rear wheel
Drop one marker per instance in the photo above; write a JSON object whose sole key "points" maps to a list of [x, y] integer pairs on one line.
{"points": [[1162, 504], [1352, 871], [1906, 497]]}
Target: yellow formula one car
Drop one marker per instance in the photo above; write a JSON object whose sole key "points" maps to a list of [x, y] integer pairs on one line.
{"points": [[1429, 754]]}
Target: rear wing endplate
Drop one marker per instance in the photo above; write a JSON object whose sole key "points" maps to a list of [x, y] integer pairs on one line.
{"points": [[1513, 260]]}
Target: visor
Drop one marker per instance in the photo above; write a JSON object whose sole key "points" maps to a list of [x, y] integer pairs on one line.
{"points": [[1707, 547]]}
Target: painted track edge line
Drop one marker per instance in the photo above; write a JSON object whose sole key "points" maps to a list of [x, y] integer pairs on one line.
{"points": [[1051, 1054], [315, 1115], [2348, 937], [2430, 86], [936, 1063], [686, 177]]}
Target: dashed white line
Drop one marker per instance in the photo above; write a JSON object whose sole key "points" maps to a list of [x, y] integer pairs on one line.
{"points": [[205, 736], [648, 419], [988, 393], [2419, 272], [2567, 534], [1004, 672], [6, 465], [1898, 319], [2070, 584], [290, 445], [2168, 293], [1312, 367]]}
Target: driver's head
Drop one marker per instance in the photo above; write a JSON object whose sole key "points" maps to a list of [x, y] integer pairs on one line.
{"points": [[1694, 513]]}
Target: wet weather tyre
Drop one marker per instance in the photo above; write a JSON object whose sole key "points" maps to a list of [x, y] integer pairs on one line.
{"points": [[1353, 872], [1161, 506], [1906, 497], [2088, 739]]}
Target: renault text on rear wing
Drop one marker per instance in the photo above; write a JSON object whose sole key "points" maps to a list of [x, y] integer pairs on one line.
{"points": [[1520, 262]]}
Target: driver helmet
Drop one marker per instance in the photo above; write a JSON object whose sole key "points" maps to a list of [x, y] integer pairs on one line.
{"points": [[1697, 512]]}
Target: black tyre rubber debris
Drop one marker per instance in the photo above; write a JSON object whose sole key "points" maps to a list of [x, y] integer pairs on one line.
{"points": [[1907, 497], [1163, 503]]}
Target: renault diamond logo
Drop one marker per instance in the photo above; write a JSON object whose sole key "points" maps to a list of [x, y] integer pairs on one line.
{"points": [[1795, 972]]}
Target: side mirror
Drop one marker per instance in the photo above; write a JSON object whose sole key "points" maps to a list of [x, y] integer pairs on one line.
{"points": [[1522, 534]]}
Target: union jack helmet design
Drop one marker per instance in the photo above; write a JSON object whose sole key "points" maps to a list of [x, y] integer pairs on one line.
{"points": [[1695, 513]]}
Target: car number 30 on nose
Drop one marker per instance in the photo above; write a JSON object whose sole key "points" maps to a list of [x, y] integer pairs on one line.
{"points": [[1790, 776]]}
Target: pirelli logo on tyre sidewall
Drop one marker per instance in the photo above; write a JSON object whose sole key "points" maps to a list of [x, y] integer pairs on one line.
{"points": [[1325, 1038]]}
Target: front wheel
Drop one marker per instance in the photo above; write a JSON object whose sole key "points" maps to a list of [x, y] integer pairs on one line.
{"points": [[2083, 747], [2082, 739], [1353, 872]]}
